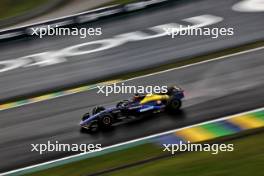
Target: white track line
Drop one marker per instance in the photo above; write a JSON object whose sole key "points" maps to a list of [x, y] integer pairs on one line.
{"points": [[199, 63], [156, 73], [164, 71], [131, 141]]}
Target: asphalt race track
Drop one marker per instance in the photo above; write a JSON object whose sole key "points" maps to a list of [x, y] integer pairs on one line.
{"points": [[212, 90], [130, 56]]}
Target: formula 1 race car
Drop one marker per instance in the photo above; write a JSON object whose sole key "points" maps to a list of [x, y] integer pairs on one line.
{"points": [[139, 106]]}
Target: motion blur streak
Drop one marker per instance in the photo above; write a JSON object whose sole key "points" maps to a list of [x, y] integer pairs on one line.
{"points": [[129, 57], [213, 90], [159, 138], [249, 6], [59, 94]]}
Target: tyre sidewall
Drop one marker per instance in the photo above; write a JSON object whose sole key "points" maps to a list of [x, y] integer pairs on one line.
{"points": [[106, 121], [174, 104]]}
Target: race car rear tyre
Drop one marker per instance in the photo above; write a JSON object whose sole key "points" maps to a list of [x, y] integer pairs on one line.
{"points": [[98, 109], [174, 104], [106, 121]]}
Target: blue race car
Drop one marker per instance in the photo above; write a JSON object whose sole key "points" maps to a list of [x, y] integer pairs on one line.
{"points": [[127, 109]]}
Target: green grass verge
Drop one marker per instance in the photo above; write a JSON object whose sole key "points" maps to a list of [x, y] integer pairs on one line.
{"points": [[11, 8], [117, 2], [103, 162], [247, 158]]}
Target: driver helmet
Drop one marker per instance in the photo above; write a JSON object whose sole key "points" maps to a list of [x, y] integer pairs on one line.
{"points": [[137, 97]]}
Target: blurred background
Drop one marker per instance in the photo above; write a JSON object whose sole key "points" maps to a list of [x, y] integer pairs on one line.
{"points": [[22, 12], [47, 84]]}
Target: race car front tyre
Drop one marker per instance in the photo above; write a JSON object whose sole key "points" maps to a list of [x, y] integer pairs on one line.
{"points": [[106, 121]]}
